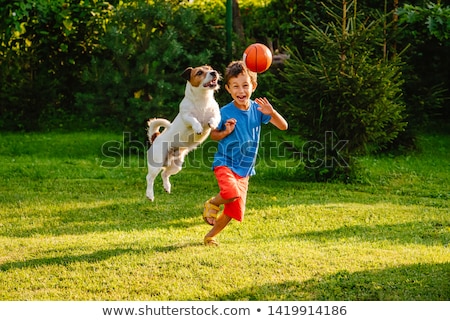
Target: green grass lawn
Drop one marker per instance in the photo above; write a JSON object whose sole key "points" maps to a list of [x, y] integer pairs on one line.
{"points": [[75, 225]]}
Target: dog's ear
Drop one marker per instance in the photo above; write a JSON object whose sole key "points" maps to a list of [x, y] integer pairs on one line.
{"points": [[187, 73]]}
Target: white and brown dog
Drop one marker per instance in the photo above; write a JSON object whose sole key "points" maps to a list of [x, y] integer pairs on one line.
{"points": [[199, 112]]}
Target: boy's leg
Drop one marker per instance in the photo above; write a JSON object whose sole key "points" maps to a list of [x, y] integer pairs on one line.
{"points": [[236, 205], [217, 200], [233, 192], [221, 222]]}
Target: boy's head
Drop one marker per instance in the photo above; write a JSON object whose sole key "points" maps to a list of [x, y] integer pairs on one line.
{"points": [[240, 83], [238, 67]]}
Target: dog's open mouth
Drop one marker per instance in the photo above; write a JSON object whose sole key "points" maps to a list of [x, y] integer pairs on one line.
{"points": [[211, 84]]}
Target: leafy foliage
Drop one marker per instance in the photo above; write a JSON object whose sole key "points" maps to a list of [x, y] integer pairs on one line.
{"points": [[42, 49], [434, 16], [427, 30], [87, 64]]}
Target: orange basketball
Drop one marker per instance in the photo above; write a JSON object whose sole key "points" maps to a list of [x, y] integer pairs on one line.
{"points": [[257, 57]]}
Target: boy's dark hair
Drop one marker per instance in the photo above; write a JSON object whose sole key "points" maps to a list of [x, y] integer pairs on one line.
{"points": [[236, 68]]}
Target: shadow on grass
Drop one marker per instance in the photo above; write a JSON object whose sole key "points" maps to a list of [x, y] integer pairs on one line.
{"points": [[172, 248], [121, 215], [417, 282], [431, 232], [66, 260]]}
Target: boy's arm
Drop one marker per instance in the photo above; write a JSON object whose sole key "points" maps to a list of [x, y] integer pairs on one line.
{"points": [[217, 134], [276, 119]]}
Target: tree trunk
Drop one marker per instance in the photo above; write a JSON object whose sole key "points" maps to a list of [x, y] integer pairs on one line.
{"points": [[344, 17], [395, 20], [237, 22]]}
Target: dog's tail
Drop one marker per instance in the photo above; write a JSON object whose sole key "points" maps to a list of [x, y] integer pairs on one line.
{"points": [[154, 125]]}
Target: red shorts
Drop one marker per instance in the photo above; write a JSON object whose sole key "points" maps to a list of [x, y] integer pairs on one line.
{"points": [[232, 185]]}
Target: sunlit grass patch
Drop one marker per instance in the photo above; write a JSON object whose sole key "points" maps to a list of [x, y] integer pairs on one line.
{"points": [[72, 229]]}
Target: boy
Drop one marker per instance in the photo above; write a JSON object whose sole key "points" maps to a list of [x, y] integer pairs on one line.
{"points": [[238, 137]]}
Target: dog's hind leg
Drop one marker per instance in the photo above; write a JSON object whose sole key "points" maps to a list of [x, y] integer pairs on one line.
{"points": [[155, 162], [152, 173], [165, 175], [175, 164]]}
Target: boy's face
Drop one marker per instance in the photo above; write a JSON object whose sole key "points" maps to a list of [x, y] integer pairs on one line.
{"points": [[241, 89]]}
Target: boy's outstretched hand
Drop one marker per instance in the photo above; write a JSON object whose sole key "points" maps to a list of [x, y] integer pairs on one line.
{"points": [[264, 106]]}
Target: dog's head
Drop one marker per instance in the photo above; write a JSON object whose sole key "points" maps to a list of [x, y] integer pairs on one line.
{"points": [[202, 77]]}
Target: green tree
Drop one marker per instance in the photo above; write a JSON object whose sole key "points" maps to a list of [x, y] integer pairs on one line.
{"points": [[346, 90]]}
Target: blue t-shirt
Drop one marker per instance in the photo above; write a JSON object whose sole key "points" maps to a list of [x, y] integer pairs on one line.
{"points": [[238, 150]]}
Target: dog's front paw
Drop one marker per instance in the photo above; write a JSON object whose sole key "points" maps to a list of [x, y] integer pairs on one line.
{"points": [[198, 129], [213, 123]]}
